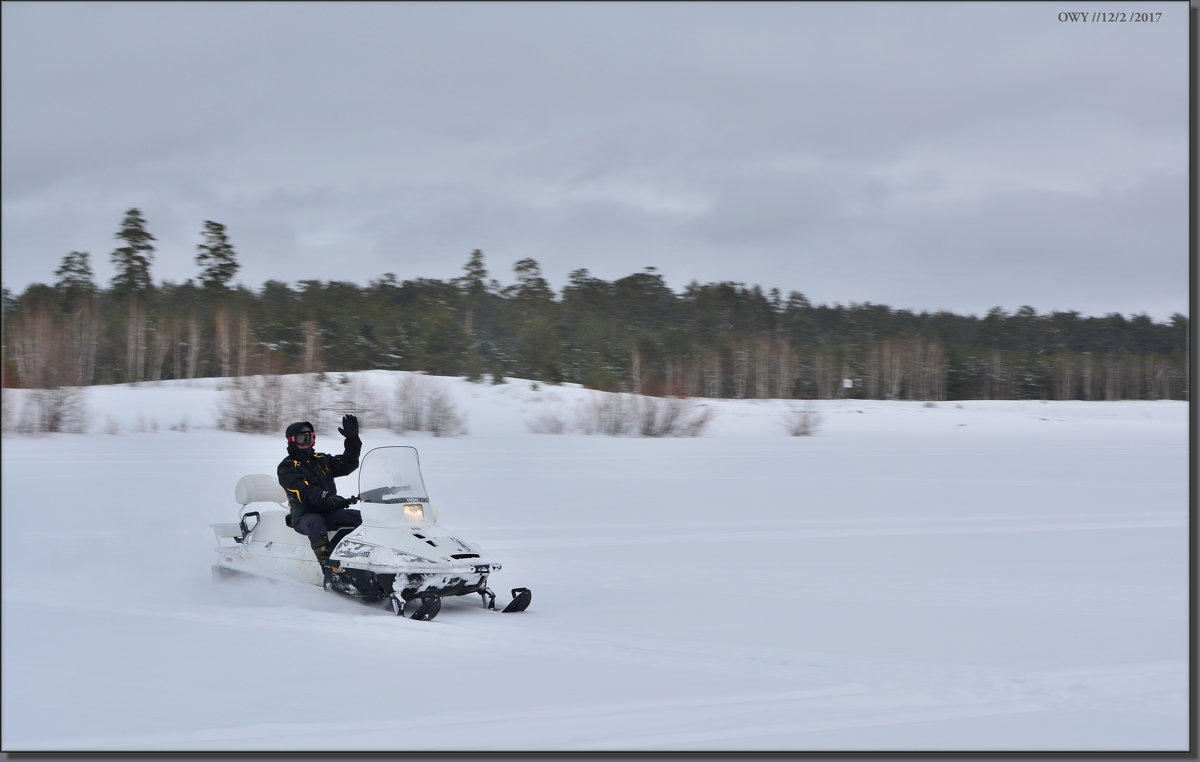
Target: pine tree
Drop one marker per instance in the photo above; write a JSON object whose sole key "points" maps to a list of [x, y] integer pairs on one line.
{"points": [[219, 262], [217, 257], [133, 259], [531, 292], [538, 345], [473, 285], [131, 284], [75, 278], [444, 342], [77, 290]]}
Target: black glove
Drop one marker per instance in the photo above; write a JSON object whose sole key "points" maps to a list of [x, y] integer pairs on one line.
{"points": [[349, 428], [335, 502]]}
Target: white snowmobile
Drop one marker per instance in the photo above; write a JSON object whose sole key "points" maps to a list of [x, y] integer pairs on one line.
{"points": [[399, 555]]}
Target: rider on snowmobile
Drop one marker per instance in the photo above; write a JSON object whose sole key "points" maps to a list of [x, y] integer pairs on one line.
{"points": [[307, 478]]}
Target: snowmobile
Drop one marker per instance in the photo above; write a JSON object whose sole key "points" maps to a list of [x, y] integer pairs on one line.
{"points": [[398, 556]]}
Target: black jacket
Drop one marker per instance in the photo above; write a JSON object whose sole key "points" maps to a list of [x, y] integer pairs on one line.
{"points": [[307, 476]]}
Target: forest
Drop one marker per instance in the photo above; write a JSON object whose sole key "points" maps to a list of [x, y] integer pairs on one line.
{"points": [[634, 334]]}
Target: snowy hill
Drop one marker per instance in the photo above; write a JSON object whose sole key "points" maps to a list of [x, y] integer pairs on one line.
{"points": [[965, 576]]}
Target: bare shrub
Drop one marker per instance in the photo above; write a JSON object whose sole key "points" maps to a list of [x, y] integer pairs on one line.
{"points": [[672, 417], [442, 418], [408, 411], [548, 423], [70, 410], [633, 415], [360, 397], [801, 422], [323, 399], [307, 400], [57, 410], [8, 409], [264, 404], [253, 404], [71, 404], [608, 414], [422, 404]]}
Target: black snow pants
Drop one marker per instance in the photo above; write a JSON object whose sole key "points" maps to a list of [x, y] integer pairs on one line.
{"points": [[315, 524]]}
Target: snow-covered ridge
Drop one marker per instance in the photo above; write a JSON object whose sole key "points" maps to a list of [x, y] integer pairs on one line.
{"points": [[516, 406]]}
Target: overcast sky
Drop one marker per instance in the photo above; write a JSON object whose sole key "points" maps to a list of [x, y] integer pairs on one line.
{"points": [[927, 156]]}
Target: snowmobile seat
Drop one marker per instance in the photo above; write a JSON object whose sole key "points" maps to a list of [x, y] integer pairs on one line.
{"points": [[254, 488], [259, 488], [272, 524]]}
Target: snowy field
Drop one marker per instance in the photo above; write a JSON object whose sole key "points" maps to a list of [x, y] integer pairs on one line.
{"points": [[967, 577]]}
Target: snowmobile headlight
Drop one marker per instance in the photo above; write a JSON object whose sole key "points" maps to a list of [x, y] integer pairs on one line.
{"points": [[415, 513]]}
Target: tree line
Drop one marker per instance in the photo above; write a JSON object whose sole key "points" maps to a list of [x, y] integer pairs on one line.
{"points": [[633, 334]]}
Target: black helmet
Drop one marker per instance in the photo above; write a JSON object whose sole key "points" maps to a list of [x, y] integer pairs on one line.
{"points": [[301, 435]]}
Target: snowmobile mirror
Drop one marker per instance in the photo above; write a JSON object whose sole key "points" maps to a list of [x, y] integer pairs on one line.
{"points": [[247, 529]]}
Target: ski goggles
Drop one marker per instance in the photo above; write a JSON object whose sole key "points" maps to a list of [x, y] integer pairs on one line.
{"points": [[304, 438]]}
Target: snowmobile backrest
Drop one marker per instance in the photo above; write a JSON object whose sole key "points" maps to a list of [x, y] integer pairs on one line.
{"points": [[258, 488]]}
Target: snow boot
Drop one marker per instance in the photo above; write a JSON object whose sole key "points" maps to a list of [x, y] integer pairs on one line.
{"points": [[322, 550], [328, 567]]}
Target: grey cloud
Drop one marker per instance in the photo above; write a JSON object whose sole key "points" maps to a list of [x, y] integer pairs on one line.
{"points": [[853, 151]]}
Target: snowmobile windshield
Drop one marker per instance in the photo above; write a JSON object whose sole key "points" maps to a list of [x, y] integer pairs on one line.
{"points": [[391, 475]]}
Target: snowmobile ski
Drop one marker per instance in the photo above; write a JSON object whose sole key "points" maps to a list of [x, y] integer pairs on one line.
{"points": [[520, 601], [424, 608]]}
